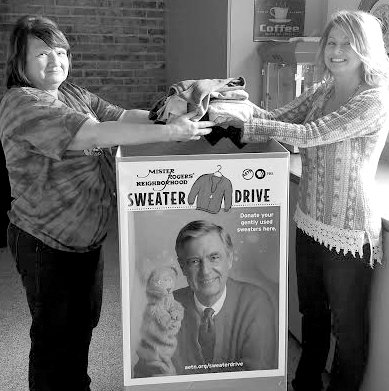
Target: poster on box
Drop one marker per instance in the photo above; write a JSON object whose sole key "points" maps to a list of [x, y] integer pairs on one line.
{"points": [[195, 233], [278, 20]]}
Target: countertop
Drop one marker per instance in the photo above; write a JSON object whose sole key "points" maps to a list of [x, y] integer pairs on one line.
{"points": [[382, 182]]}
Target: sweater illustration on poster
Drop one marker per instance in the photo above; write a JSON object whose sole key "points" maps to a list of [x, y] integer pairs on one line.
{"points": [[210, 190]]}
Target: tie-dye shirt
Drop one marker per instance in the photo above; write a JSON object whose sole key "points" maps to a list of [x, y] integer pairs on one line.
{"points": [[62, 197]]}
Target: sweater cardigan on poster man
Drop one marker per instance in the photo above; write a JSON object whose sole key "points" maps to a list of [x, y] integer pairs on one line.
{"points": [[339, 153], [245, 332]]}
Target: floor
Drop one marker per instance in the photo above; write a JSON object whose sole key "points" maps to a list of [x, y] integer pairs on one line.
{"points": [[105, 353], [293, 357]]}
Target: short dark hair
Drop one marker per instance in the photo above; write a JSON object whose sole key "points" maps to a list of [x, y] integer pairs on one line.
{"points": [[30, 26], [198, 228]]}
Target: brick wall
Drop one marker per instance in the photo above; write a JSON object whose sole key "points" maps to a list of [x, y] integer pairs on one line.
{"points": [[118, 46]]}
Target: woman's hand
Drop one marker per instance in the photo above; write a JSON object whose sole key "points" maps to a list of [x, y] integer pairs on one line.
{"points": [[183, 128], [129, 131]]}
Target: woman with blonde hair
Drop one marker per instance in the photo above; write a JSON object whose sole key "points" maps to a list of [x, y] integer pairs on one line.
{"points": [[340, 126]]}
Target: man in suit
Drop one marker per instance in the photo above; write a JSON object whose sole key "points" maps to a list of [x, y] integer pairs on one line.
{"points": [[228, 325]]}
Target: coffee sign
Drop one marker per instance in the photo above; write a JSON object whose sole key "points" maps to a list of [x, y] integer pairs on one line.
{"points": [[278, 19]]}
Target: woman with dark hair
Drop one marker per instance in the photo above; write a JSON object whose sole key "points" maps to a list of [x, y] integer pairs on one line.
{"points": [[340, 126], [55, 136]]}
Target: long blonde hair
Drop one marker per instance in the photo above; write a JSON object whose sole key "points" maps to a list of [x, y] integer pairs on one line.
{"points": [[366, 39]]}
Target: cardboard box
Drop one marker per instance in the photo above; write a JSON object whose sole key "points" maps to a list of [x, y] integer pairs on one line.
{"points": [[163, 187]]}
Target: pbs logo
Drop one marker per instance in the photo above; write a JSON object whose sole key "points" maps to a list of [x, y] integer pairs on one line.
{"points": [[260, 173]]}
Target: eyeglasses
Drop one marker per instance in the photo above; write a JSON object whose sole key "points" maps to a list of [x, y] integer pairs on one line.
{"points": [[197, 262]]}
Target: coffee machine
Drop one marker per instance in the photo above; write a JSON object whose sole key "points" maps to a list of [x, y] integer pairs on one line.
{"points": [[288, 70]]}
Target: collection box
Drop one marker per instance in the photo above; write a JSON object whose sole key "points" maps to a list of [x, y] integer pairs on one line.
{"points": [[202, 226]]}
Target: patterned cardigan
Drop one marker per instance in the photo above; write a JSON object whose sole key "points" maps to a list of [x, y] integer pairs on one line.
{"points": [[339, 153]]}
